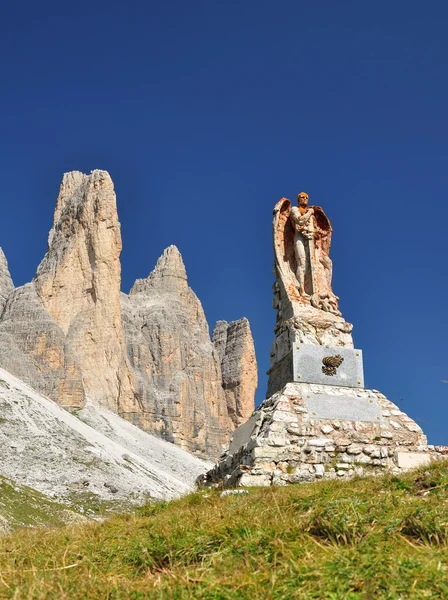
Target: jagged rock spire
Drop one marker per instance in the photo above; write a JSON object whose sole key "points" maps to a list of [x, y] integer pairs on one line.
{"points": [[168, 274], [176, 367], [78, 282], [170, 264], [235, 347]]}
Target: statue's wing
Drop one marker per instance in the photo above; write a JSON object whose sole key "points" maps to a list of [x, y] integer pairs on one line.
{"points": [[323, 222], [283, 240], [280, 231]]}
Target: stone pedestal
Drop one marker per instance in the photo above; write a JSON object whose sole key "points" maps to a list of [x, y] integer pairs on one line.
{"points": [[318, 421], [310, 431]]}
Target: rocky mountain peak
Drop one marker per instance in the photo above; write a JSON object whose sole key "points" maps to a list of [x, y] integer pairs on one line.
{"points": [[235, 348], [177, 370], [78, 282], [170, 264], [75, 188], [169, 274]]}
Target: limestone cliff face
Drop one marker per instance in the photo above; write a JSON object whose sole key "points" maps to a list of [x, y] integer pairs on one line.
{"points": [[176, 367], [78, 283], [34, 348], [235, 347], [6, 284], [32, 345]]}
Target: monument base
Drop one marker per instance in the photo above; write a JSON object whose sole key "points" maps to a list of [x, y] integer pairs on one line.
{"points": [[309, 431], [304, 363]]}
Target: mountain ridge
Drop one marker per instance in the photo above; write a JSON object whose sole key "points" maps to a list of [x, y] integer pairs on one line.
{"points": [[146, 355]]}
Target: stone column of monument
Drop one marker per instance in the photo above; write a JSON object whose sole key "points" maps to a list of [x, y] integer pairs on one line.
{"points": [[318, 420], [308, 316]]}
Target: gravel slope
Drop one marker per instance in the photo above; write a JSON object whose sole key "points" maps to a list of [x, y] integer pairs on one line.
{"points": [[95, 453]]}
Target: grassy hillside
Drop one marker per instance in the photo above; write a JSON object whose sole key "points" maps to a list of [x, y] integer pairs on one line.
{"points": [[370, 538], [21, 506]]}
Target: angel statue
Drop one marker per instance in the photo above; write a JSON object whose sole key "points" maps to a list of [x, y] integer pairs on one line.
{"points": [[302, 238]]}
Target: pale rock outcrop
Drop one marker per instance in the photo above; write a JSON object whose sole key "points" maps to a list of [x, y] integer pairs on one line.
{"points": [[177, 370], [6, 284], [78, 283], [235, 347], [34, 348]]}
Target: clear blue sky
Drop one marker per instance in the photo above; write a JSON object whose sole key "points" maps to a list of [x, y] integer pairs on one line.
{"points": [[206, 113]]}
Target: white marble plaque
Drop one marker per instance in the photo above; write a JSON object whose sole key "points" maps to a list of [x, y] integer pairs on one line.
{"points": [[343, 408]]}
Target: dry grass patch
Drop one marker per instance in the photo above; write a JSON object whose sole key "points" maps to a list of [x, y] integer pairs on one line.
{"points": [[370, 538]]}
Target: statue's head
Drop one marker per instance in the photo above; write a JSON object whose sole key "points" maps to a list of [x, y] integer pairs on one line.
{"points": [[302, 199]]}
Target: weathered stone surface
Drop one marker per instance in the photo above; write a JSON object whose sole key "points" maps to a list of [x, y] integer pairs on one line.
{"points": [[6, 284], [219, 338], [284, 443], [34, 348], [243, 434], [235, 347], [333, 405], [177, 369], [78, 283], [302, 239], [329, 427], [411, 460]]}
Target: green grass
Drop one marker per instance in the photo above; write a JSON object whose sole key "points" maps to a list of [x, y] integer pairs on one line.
{"points": [[381, 537], [21, 506], [91, 505]]}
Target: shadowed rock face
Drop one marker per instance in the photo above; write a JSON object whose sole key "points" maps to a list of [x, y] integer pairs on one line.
{"points": [[147, 356], [34, 348], [177, 370], [32, 345], [235, 347], [6, 284]]}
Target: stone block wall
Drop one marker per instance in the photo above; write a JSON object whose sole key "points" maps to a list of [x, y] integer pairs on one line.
{"points": [[285, 444]]}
